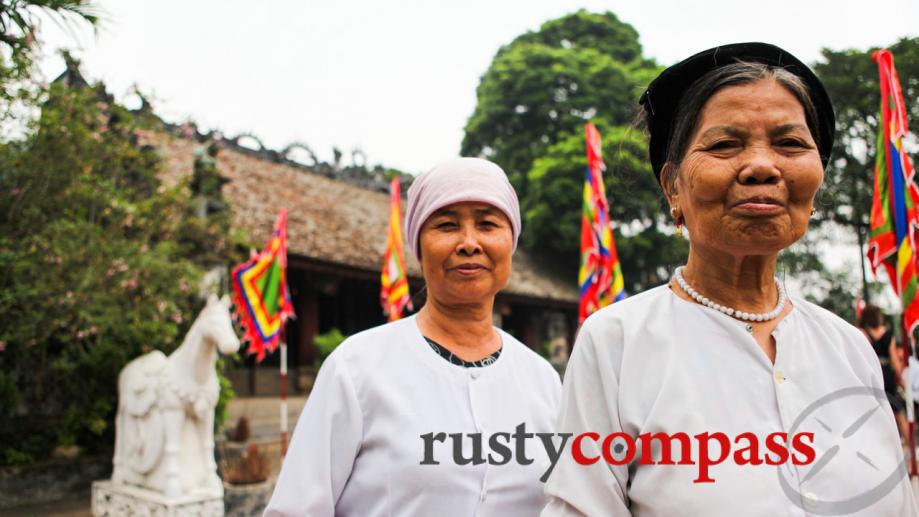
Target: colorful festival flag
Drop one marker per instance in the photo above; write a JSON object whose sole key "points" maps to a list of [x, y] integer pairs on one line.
{"points": [[600, 277], [394, 294], [260, 292], [894, 217]]}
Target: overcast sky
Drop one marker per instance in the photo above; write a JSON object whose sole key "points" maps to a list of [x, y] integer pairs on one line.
{"points": [[398, 79]]}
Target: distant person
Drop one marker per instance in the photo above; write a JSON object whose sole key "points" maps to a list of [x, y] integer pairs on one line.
{"points": [[871, 322], [716, 377], [363, 445]]}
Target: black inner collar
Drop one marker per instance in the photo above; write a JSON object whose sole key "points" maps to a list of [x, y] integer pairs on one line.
{"points": [[449, 356]]}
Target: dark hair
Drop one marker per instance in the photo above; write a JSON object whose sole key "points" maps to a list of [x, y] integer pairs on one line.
{"points": [[686, 118], [871, 317]]}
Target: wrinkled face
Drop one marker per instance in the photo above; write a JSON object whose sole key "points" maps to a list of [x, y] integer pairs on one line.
{"points": [[747, 183], [466, 252]]}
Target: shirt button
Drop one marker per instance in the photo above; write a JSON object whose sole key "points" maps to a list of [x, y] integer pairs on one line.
{"points": [[779, 376], [474, 374]]}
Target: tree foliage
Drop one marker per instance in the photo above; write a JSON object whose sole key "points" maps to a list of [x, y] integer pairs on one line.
{"points": [[99, 263], [557, 180], [533, 102], [546, 84]]}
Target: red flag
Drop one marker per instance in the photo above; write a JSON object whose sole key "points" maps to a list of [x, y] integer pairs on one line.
{"points": [[600, 277], [894, 216], [394, 292]]}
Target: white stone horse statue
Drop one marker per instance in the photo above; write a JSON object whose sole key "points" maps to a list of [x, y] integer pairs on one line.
{"points": [[164, 431]]}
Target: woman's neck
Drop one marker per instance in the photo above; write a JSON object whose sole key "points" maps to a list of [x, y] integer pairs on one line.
{"points": [[746, 283], [466, 330]]}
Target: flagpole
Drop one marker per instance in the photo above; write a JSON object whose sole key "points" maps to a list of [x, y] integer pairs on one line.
{"points": [[283, 390]]}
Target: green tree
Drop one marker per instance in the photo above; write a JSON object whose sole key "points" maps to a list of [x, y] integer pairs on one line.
{"points": [[546, 84], [851, 78], [99, 263], [557, 180], [533, 102]]}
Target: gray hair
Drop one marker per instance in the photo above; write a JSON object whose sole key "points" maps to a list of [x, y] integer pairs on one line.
{"points": [[686, 118]]}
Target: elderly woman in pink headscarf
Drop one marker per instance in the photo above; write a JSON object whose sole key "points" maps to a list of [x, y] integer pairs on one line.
{"points": [[438, 413]]}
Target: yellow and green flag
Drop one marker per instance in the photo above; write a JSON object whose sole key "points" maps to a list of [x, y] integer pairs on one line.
{"points": [[260, 292]]}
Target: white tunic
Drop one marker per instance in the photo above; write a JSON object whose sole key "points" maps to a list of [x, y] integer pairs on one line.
{"points": [[357, 447], [658, 363]]}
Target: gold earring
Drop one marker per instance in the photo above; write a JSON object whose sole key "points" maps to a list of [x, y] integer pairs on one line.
{"points": [[813, 211], [678, 220]]}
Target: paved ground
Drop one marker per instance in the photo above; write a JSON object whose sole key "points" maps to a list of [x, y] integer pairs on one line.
{"points": [[68, 508]]}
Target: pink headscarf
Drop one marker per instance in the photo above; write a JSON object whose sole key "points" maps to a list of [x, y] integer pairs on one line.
{"points": [[456, 181]]}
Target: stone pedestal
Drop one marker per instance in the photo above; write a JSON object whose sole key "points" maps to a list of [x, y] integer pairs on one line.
{"points": [[111, 500]]}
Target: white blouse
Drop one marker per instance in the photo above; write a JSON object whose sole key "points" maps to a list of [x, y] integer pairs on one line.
{"points": [[357, 448], [658, 363]]}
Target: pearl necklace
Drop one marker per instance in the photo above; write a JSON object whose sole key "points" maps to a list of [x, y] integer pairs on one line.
{"points": [[746, 316]]}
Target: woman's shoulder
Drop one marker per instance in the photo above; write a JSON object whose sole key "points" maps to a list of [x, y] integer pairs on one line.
{"points": [[886, 337], [637, 303], [633, 309], [370, 345], [526, 357], [839, 336], [612, 329], [839, 331], [818, 315]]}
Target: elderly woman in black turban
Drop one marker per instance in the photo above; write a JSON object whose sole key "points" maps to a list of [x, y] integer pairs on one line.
{"points": [[718, 393]]}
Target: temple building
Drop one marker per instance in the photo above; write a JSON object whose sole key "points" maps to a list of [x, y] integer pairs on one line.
{"points": [[337, 229]]}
